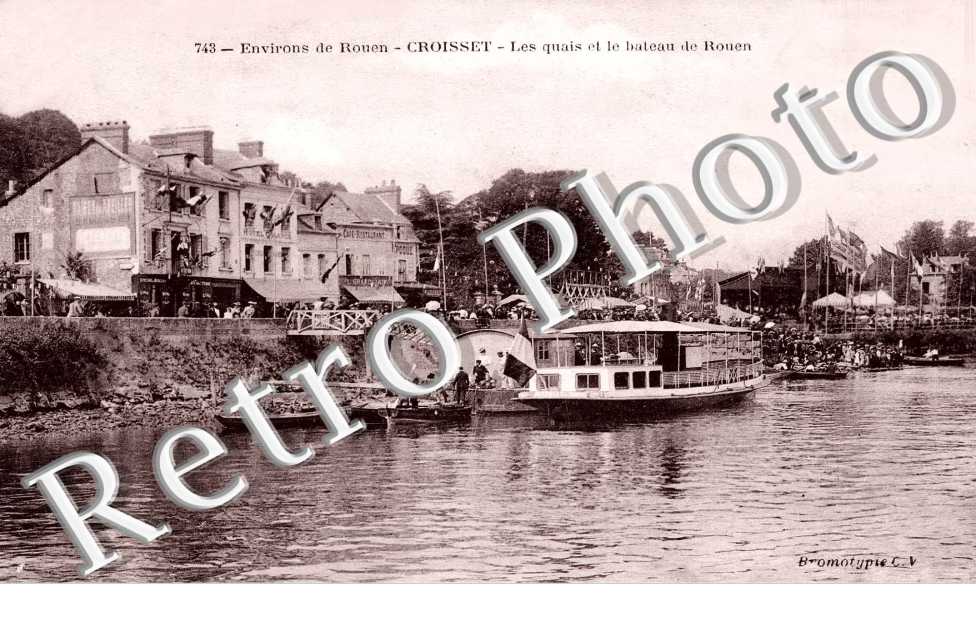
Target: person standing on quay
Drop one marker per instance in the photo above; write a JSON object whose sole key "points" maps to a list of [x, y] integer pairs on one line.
{"points": [[183, 311], [74, 309], [461, 383]]}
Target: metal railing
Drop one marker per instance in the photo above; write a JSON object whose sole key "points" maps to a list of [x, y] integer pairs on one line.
{"points": [[345, 322], [712, 376]]}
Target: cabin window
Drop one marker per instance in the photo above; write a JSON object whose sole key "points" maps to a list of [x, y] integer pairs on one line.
{"points": [[621, 380], [640, 380], [654, 379], [587, 381], [547, 381], [542, 349]]}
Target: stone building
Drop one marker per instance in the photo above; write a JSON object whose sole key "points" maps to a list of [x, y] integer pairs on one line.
{"points": [[378, 251], [169, 222]]}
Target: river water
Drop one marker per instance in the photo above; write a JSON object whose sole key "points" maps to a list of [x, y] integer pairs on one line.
{"points": [[880, 466]]}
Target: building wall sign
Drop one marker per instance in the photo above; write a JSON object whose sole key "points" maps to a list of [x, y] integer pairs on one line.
{"points": [[103, 224], [364, 235]]}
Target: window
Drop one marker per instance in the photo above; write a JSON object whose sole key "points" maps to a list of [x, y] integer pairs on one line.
{"points": [[47, 198], [224, 252], [249, 213], [307, 265], [654, 379], [640, 380], [321, 265], [285, 260], [193, 191], [542, 349], [621, 380], [402, 270], [105, 183], [155, 244], [22, 251], [223, 204], [587, 381], [366, 266], [925, 288], [267, 259], [547, 381], [196, 246], [248, 255]]}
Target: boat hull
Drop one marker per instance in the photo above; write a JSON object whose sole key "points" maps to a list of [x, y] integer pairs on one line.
{"points": [[429, 415], [282, 421], [644, 408], [799, 375], [942, 362]]}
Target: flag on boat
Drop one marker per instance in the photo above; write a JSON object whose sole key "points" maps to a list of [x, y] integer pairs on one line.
{"points": [[520, 362]]}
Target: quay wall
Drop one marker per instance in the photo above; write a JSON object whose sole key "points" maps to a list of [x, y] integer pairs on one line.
{"points": [[66, 363]]}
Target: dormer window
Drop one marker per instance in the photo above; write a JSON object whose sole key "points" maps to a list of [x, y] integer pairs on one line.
{"points": [[187, 161]]}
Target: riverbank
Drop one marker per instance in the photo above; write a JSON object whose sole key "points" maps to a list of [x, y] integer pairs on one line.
{"points": [[99, 420]]}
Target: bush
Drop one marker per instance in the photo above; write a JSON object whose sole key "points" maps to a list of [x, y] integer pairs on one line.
{"points": [[46, 356]]}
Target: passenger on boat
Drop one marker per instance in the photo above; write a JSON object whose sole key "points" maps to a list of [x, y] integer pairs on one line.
{"points": [[461, 383]]}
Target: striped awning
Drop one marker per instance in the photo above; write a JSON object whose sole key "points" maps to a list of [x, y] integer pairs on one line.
{"points": [[375, 295], [87, 290], [290, 290]]}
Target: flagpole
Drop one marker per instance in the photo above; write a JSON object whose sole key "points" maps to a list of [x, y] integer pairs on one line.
{"points": [[440, 235], [826, 252], [803, 300]]}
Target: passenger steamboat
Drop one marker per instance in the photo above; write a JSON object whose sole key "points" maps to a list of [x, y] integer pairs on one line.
{"points": [[642, 368]]}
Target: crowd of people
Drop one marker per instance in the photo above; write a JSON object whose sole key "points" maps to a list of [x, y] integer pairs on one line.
{"points": [[792, 349]]}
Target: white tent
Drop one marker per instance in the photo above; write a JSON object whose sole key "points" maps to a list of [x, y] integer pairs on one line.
{"points": [[514, 298], [835, 300], [726, 313], [869, 299]]}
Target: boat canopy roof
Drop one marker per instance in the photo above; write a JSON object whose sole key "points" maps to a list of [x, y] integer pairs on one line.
{"points": [[625, 327]]}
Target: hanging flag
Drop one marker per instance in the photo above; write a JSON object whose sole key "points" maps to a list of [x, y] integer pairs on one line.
{"points": [[325, 275], [803, 300], [917, 266], [520, 362], [437, 262], [887, 252]]}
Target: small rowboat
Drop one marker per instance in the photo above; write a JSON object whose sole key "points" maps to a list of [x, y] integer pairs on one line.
{"points": [[816, 375], [305, 419], [936, 362], [429, 414]]}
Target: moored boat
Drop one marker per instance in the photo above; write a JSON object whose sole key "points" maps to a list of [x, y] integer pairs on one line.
{"points": [[822, 375], [627, 369], [304, 419], [935, 361], [431, 413]]}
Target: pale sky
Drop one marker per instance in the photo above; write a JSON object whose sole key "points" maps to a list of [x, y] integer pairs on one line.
{"points": [[457, 121]]}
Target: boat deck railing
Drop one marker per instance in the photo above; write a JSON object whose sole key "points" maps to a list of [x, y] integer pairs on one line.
{"points": [[712, 376]]}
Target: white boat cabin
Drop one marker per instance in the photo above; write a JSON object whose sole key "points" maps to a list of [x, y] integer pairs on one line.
{"points": [[636, 359]]}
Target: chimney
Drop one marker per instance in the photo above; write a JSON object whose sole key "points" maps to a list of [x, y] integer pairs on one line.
{"points": [[115, 133], [251, 148], [197, 140], [390, 193]]}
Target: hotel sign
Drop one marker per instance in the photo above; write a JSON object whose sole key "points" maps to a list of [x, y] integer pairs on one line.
{"points": [[103, 224]]}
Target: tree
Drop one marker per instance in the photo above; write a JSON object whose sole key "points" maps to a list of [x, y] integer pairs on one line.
{"points": [[33, 143], [322, 190], [923, 238], [960, 241], [50, 136], [812, 249], [76, 267]]}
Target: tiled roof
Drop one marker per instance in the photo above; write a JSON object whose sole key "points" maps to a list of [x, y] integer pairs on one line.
{"points": [[306, 224], [360, 208], [159, 161], [232, 160]]}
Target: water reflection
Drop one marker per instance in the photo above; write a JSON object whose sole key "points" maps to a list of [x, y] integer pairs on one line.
{"points": [[875, 465]]}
